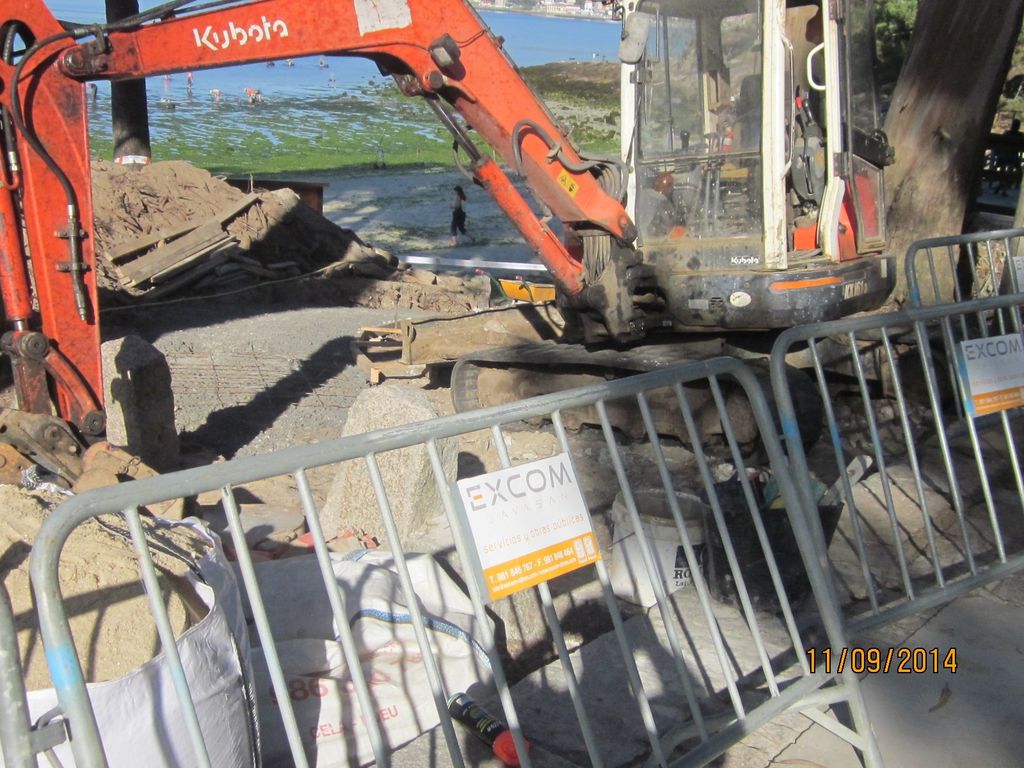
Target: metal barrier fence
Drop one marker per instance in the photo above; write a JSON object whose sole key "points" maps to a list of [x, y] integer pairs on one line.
{"points": [[20, 741], [972, 266], [674, 686], [929, 474]]}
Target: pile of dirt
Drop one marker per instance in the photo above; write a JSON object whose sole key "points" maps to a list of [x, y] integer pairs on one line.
{"points": [[167, 226], [171, 229], [111, 623]]}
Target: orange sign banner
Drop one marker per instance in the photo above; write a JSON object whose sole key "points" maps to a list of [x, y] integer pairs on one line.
{"points": [[534, 567]]}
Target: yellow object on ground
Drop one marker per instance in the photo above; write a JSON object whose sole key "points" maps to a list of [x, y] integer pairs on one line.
{"points": [[521, 290]]}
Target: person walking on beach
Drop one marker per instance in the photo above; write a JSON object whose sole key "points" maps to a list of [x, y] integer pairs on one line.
{"points": [[458, 214]]}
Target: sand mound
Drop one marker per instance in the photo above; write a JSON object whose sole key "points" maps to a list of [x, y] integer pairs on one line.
{"points": [[103, 595]]}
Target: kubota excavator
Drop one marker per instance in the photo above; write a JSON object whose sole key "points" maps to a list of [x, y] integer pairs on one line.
{"points": [[748, 196]]}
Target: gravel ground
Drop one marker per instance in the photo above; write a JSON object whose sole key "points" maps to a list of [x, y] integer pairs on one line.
{"points": [[253, 377]]}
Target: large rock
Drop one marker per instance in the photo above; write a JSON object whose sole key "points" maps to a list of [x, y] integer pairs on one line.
{"points": [[408, 477], [140, 401]]}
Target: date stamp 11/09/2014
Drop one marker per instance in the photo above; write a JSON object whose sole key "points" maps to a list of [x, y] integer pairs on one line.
{"points": [[903, 661]]}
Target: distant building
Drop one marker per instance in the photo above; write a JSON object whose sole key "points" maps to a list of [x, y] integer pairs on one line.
{"points": [[550, 7]]}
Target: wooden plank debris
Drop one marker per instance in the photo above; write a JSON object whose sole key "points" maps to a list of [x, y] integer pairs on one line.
{"points": [[139, 244], [260, 237], [255, 267], [195, 274], [178, 254], [122, 251]]}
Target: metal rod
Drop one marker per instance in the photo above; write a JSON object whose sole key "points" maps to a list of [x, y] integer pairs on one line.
{"points": [[657, 578], [986, 488], [730, 553], [168, 643], [557, 636], [915, 467], [883, 470], [266, 635], [691, 558], [412, 602], [61, 655], [15, 726], [812, 553], [342, 627], [928, 364], [463, 545], [636, 684], [841, 463]]}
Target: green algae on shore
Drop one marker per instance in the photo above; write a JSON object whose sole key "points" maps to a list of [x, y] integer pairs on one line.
{"points": [[371, 128]]}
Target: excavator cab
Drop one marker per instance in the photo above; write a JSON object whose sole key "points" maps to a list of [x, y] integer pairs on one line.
{"points": [[753, 136]]}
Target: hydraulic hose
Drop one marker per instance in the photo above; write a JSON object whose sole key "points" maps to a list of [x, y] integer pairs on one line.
{"points": [[614, 187]]}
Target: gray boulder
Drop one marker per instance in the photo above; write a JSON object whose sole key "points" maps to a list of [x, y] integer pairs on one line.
{"points": [[407, 474]]}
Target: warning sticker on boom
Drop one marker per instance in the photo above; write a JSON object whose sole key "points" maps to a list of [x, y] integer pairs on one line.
{"points": [[375, 15], [568, 183]]}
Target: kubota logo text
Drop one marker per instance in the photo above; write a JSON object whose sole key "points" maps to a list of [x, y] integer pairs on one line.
{"points": [[239, 35]]}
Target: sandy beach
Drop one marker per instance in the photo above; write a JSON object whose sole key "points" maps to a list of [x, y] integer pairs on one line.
{"points": [[408, 212]]}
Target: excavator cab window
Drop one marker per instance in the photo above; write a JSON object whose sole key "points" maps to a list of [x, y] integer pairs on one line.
{"points": [[839, 149], [756, 118], [698, 121], [869, 148]]}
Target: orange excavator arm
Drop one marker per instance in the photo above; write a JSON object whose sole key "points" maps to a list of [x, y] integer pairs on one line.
{"points": [[437, 49]]}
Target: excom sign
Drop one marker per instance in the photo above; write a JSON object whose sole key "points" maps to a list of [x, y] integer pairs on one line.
{"points": [[528, 524], [992, 370]]}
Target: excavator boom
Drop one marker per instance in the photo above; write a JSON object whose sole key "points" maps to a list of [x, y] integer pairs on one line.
{"points": [[440, 51]]}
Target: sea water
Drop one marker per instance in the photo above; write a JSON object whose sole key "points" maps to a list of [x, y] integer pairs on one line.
{"points": [[341, 106], [530, 39]]}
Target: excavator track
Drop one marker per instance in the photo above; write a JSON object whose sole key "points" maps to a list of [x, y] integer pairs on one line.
{"points": [[559, 360], [497, 376]]}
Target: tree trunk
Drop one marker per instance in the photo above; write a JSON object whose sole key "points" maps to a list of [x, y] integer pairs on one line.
{"points": [[940, 115], [128, 109]]}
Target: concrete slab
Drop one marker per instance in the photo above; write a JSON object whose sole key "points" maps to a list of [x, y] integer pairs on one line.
{"points": [[940, 719], [943, 719]]}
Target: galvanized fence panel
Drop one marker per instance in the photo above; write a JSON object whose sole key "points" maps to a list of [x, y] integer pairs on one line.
{"points": [[931, 493], [976, 265], [15, 727], [712, 660], [20, 739]]}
